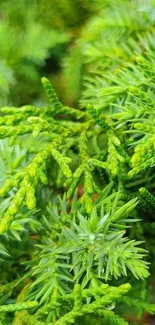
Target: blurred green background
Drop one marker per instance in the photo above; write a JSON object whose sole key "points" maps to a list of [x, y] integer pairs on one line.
{"points": [[66, 40], [35, 37]]}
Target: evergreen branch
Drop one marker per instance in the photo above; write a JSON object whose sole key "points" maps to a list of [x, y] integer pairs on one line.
{"points": [[79, 310], [25, 318], [147, 196], [51, 95], [18, 306], [111, 318], [29, 178]]}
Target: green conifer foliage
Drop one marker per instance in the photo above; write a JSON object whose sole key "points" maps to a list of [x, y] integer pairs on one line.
{"points": [[77, 193], [81, 243]]}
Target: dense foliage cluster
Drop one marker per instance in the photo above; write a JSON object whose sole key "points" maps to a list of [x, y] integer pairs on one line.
{"points": [[77, 192]]}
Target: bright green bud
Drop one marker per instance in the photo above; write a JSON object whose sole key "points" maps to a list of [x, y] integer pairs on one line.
{"points": [[30, 198], [43, 178], [36, 132], [51, 95]]}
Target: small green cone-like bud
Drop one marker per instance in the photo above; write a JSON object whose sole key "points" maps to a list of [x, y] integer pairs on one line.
{"points": [[51, 95]]}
